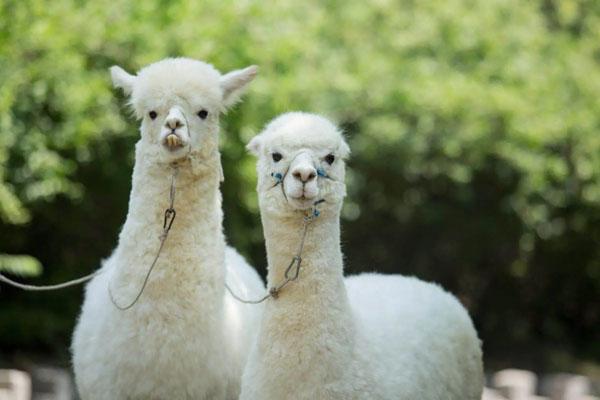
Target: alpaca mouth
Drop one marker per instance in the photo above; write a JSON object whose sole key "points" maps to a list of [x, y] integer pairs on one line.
{"points": [[301, 202], [173, 142], [302, 196]]}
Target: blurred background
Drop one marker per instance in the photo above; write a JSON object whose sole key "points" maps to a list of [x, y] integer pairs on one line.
{"points": [[474, 126]]}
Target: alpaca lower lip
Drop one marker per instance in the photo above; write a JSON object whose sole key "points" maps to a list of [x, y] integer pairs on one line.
{"points": [[302, 198], [302, 202]]}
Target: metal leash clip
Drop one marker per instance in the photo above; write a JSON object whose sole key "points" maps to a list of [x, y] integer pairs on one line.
{"points": [[170, 215]]}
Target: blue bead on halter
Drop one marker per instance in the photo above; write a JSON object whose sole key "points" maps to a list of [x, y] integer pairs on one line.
{"points": [[316, 212], [277, 175], [321, 172]]}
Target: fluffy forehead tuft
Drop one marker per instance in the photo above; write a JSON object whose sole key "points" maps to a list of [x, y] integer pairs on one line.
{"points": [[296, 130], [194, 81]]}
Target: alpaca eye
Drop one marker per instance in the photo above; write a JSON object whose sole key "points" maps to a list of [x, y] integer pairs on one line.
{"points": [[152, 114], [203, 114], [330, 158], [276, 157]]}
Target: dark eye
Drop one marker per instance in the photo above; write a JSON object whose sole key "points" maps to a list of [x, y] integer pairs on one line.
{"points": [[277, 157], [330, 158], [203, 114], [152, 114]]}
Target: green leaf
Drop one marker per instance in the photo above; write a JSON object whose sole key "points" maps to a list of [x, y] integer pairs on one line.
{"points": [[20, 265]]}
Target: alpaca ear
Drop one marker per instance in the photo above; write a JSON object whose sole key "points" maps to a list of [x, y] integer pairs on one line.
{"points": [[122, 79], [234, 83], [255, 145], [344, 150]]}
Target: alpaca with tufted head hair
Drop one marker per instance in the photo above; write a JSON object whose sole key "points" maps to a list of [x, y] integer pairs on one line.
{"points": [[184, 338], [325, 337]]}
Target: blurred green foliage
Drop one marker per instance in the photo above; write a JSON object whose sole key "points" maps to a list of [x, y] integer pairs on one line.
{"points": [[20, 265], [474, 129]]}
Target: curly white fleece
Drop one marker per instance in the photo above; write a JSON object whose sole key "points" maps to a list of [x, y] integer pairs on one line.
{"points": [[185, 338], [365, 337]]}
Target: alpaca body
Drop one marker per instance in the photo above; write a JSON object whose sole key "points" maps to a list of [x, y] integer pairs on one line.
{"points": [[367, 336], [325, 337], [185, 338], [163, 350], [308, 345], [421, 338]]}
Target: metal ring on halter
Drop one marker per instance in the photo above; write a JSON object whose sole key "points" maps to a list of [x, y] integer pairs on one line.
{"points": [[170, 215], [297, 261]]}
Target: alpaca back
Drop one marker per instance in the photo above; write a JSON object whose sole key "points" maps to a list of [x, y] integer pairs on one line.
{"points": [[421, 339]]}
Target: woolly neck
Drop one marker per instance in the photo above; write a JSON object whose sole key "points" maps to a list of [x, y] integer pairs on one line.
{"points": [[320, 287], [309, 328], [193, 255]]}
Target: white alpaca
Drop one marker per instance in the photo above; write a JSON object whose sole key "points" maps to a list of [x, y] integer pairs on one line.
{"points": [[184, 338], [366, 337]]}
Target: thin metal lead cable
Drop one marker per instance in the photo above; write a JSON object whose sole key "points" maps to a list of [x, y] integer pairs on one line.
{"points": [[297, 259], [295, 264], [41, 288], [168, 222], [170, 215]]}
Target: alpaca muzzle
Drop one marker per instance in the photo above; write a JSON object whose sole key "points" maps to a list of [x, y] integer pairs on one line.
{"points": [[175, 134], [300, 182]]}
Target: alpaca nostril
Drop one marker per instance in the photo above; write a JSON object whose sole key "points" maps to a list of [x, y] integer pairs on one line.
{"points": [[174, 123], [305, 176]]}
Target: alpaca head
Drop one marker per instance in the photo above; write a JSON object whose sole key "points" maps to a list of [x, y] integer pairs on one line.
{"points": [[300, 161], [178, 101]]}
